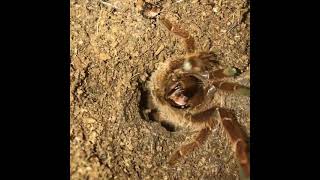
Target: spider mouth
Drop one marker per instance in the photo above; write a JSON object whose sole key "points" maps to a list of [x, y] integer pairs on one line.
{"points": [[176, 96], [180, 92], [179, 98]]}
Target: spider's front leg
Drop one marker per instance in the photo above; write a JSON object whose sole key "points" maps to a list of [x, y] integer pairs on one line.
{"points": [[232, 87], [205, 121], [223, 73], [202, 63], [174, 28], [216, 77], [200, 66], [238, 139]]}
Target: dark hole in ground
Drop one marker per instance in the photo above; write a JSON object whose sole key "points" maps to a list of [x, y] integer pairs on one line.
{"points": [[147, 113], [168, 126]]}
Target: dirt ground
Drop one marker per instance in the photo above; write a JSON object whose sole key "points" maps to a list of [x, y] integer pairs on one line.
{"points": [[114, 50]]}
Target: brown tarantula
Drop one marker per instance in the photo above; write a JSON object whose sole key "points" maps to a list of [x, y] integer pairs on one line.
{"points": [[181, 92]]}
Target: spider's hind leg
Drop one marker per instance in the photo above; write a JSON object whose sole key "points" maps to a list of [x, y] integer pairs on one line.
{"points": [[205, 121], [238, 139], [186, 149]]}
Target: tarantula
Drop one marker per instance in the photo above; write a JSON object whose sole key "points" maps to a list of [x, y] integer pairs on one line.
{"points": [[181, 91]]}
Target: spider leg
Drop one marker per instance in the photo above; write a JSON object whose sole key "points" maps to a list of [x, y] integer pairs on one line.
{"points": [[205, 121], [237, 138], [232, 87], [186, 149], [223, 73], [200, 63], [188, 39]]}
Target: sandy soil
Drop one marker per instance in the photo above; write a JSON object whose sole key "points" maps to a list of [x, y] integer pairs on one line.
{"points": [[113, 52]]}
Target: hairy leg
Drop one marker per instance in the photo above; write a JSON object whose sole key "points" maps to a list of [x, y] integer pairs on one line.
{"points": [[205, 121], [188, 39], [186, 149], [238, 139], [232, 87], [223, 73], [201, 63]]}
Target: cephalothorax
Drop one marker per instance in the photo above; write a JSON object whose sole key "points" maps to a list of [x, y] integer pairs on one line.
{"points": [[181, 91]]}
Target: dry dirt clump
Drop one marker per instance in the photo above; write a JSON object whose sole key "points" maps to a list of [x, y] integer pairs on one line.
{"points": [[113, 52]]}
